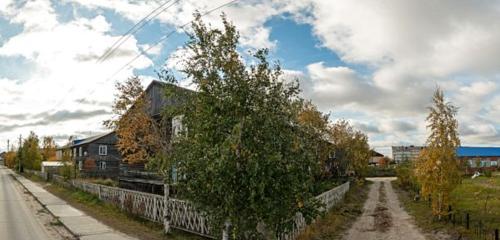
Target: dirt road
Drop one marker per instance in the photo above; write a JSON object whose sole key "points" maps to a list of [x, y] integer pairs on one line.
{"points": [[383, 218]]}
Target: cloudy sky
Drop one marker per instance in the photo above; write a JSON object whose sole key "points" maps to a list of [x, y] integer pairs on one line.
{"points": [[373, 62]]}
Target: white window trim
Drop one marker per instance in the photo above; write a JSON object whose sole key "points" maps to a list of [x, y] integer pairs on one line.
{"points": [[103, 150], [80, 151], [102, 165]]}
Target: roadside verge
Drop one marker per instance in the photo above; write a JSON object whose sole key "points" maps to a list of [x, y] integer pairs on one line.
{"points": [[78, 223]]}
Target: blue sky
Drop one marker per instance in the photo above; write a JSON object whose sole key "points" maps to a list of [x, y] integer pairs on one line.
{"points": [[372, 63]]}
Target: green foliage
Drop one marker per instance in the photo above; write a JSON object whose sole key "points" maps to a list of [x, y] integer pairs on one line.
{"points": [[243, 157], [406, 177], [29, 154], [487, 173], [353, 151], [375, 171]]}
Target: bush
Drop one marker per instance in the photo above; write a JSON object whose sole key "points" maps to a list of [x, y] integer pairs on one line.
{"points": [[406, 177], [373, 171], [487, 173], [67, 171], [106, 182]]}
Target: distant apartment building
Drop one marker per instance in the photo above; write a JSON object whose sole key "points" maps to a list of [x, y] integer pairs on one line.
{"points": [[405, 153]]}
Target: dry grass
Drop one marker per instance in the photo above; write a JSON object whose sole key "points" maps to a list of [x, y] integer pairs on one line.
{"points": [[340, 217]]}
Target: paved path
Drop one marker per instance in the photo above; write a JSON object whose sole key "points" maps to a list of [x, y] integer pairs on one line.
{"points": [[383, 218], [80, 224], [17, 220]]}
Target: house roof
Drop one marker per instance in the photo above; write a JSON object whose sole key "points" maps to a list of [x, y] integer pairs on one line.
{"points": [[376, 154], [52, 164], [478, 152], [85, 140]]}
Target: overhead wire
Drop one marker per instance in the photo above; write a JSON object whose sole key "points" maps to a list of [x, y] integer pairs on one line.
{"points": [[138, 26]]}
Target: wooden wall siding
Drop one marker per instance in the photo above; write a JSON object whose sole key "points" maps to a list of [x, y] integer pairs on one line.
{"points": [[156, 95]]}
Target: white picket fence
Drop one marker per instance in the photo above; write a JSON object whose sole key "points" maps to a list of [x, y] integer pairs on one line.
{"points": [[181, 214], [328, 200]]}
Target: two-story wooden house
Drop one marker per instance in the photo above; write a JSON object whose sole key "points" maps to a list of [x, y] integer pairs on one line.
{"points": [[136, 176], [95, 156]]}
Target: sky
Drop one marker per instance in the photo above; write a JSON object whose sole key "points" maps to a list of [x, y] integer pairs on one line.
{"points": [[375, 63]]}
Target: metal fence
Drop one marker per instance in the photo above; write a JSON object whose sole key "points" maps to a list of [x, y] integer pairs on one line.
{"points": [[478, 227]]}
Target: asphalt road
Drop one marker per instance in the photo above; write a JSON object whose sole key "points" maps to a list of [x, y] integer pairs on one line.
{"points": [[17, 220]]}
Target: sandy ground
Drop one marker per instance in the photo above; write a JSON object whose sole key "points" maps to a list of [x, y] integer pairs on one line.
{"points": [[383, 217]]}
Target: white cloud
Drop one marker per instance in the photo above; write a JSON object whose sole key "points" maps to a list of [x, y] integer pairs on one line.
{"points": [[66, 70]]}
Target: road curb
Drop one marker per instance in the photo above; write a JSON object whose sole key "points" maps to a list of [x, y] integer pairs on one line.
{"points": [[16, 176]]}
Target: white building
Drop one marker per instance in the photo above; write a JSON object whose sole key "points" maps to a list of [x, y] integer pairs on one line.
{"points": [[405, 153]]}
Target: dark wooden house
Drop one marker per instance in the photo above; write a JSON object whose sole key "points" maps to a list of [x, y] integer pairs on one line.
{"points": [[96, 156], [136, 176]]}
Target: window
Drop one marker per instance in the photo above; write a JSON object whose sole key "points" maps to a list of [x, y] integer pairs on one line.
{"points": [[80, 165], [174, 174], [80, 151], [74, 152], [177, 127], [494, 163], [102, 165], [103, 150]]}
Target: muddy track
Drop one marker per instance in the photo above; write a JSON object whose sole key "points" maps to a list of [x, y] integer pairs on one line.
{"points": [[383, 217]]}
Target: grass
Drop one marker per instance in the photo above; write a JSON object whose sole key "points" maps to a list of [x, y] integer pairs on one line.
{"points": [[340, 217], [102, 181], [113, 216], [479, 197]]}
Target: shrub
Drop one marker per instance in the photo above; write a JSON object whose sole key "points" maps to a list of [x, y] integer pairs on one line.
{"points": [[406, 177], [487, 173]]}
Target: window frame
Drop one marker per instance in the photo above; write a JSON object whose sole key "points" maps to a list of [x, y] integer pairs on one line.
{"points": [[102, 165], [103, 150]]}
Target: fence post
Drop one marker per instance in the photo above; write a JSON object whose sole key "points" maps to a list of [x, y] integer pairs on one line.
{"points": [[467, 220], [166, 222], [99, 191], [122, 199], [449, 212], [225, 232], [496, 234]]}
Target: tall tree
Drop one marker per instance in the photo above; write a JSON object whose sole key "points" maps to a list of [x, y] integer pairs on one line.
{"points": [[316, 126], [352, 149], [139, 135], [437, 169], [242, 157], [29, 153], [48, 149]]}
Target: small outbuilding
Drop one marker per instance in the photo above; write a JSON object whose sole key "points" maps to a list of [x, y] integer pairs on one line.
{"points": [[52, 167]]}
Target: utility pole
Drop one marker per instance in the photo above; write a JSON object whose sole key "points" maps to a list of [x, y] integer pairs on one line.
{"points": [[20, 159]]}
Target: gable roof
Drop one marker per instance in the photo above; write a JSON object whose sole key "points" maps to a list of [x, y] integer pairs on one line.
{"points": [[376, 154], [156, 94], [478, 151], [90, 139]]}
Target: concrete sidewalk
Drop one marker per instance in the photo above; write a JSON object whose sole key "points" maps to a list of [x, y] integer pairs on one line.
{"points": [[81, 225]]}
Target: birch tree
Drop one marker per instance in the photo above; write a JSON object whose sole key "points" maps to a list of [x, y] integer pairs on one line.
{"points": [[437, 169]]}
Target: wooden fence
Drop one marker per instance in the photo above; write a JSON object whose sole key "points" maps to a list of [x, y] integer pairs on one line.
{"points": [[181, 214], [328, 199]]}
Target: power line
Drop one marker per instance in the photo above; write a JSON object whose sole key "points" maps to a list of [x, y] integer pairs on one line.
{"points": [[138, 26], [166, 37], [122, 40]]}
